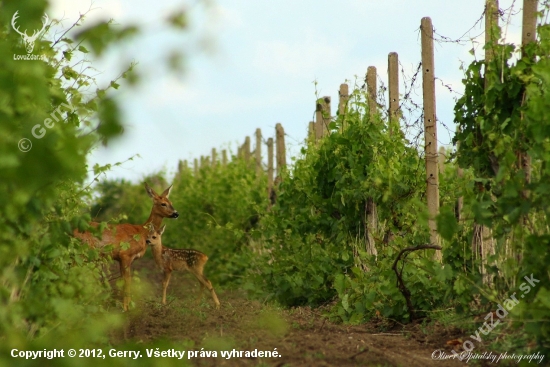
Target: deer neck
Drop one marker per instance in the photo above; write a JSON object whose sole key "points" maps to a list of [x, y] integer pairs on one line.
{"points": [[154, 219], [157, 255]]}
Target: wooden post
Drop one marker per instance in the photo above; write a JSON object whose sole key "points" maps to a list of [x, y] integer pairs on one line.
{"points": [[311, 131], [371, 218], [371, 89], [528, 35], [180, 167], [322, 117], [326, 114], [529, 26], [258, 151], [393, 96], [343, 95], [460, 201], [195, 167], [430, 130], [482, 240], [214, 157], [319, 131], [246, 149], [342, 104], [393, 90], [281, 153], [224, 157], [491, 30], [269, 166]]}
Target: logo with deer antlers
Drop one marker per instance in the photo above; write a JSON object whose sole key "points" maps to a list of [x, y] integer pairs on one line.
{"points": [[28, 40]]}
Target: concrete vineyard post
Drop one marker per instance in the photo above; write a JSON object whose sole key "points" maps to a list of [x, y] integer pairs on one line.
{"points": [[281, 154], [491, 29], [322, 117], [311, 131], [371, 89], [528, 35], [246, 148], [318, 122], [430, 130], [258, 151], [343, 99], [269, 166], [325, 105], [371, 219], [393, 90]]}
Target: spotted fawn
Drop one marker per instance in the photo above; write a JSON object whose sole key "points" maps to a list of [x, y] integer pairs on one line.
{"points": [[169, 259]]}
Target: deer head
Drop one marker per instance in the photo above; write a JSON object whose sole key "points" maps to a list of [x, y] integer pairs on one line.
{"points": [[28, 40], [154, 236], [162, 206]]}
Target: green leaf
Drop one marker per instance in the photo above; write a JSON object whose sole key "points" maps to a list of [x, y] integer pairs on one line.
{"points": [[447, 226]]}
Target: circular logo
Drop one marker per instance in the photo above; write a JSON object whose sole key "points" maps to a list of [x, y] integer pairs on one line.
{"points": [[24, 145]]}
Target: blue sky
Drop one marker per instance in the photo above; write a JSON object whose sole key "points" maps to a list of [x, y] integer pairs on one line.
{"points": [[253, 63]]}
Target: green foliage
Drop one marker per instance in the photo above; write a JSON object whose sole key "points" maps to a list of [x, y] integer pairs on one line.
{"points": [[46, 275], [503, 119], [49, 282], [219, 213], [122, 200], [308, 248], [316, 232]]}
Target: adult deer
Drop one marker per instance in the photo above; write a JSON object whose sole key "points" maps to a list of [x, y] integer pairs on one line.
{"points": [[128, 240], [169, 259]]}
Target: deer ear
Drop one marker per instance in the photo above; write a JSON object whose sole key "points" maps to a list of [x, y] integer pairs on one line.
{"points": [[150, 191], [166, 192], [161, 230], [149, 226]]}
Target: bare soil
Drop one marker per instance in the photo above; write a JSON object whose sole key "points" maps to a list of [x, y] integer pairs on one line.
{"points": [[302, 336]]}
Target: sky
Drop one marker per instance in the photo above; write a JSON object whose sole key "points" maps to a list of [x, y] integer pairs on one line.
{"points": [[253, 63]]}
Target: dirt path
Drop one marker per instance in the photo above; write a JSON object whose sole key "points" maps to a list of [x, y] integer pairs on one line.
{"points": [[301, 336]]}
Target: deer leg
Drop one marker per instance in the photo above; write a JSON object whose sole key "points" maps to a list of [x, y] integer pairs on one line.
{"points": [[165, 282], [205, 283], [127, 276]]}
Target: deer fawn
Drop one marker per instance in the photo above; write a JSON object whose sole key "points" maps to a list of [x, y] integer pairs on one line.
{"points": [[169, 260], [128, 240]]}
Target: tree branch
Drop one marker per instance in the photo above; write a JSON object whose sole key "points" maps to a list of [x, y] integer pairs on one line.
{"points": [[400, 284]]}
